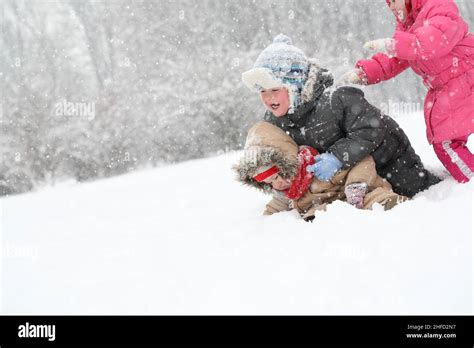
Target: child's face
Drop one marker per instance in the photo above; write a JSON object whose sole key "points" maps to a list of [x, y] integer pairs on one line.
{"points": [[399, 9], [277, 182], [276, 100]]}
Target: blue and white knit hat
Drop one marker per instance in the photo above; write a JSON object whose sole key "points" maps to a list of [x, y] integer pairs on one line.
{"points": [[279, 65], [286, 61]]}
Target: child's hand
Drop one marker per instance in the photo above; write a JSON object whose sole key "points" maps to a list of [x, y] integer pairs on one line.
{"points": [[381, 45], [355, 76], [325, 167]]}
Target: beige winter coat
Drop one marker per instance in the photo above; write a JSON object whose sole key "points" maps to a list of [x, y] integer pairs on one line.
{"points": [[267, 144]]}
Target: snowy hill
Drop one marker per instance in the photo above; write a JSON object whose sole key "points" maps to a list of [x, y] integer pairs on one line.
{"points": [[188, 239]]}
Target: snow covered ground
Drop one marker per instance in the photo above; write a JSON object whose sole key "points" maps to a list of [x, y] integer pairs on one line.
{"points": [[188, 239]]}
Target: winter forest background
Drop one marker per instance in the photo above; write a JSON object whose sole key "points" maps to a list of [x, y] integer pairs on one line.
{"points": [[92, 89]]}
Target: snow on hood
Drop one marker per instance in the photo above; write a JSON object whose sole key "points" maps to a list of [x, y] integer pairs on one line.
{"points": [[319, 79]]}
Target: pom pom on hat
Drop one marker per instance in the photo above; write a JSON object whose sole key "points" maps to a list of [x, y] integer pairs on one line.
{"points": [[283, 39]]}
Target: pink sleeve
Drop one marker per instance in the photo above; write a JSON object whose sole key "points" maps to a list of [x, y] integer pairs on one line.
{"points": [[381, 68], [436, 38]]}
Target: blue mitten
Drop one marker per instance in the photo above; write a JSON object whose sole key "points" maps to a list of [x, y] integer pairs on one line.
{"points": [[325, 167]]}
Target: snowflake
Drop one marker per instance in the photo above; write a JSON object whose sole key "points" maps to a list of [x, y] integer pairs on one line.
{"points": [[356, 109], [374, 122]]}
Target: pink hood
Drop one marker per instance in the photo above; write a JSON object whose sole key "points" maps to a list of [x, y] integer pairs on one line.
{"points": [[416, 6]]}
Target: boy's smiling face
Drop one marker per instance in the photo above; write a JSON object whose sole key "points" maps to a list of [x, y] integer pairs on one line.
{"points": [[276, 100]]}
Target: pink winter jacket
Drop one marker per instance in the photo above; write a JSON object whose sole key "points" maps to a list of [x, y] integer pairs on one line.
{"points": [[435, 42]]}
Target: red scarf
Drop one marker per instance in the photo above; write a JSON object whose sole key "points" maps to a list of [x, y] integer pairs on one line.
{"points": [[302, 179]]}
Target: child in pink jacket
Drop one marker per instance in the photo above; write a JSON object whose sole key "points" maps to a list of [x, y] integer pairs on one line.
{"points": [[431, 38]]}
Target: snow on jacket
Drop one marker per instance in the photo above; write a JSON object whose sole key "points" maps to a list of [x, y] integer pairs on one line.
{"points": [[344, 123], [435, 42], [269, 145]]}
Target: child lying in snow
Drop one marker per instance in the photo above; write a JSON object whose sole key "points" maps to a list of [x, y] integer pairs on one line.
{"points": [[272, 160]]}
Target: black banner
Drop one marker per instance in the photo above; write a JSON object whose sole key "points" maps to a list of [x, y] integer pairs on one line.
{"points": [[217, 330]]}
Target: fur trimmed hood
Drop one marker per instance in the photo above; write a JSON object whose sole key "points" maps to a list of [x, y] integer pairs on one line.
{"points": [[316, 83], [267, 144]]}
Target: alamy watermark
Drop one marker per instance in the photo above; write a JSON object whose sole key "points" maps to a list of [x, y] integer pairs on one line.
{"points": [[11, 251], [28, 330], [75, 109], [392, 108]]}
